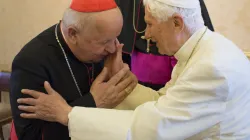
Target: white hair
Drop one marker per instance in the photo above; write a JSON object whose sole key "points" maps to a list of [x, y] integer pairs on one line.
{"points": [[161, 11], [79, 20]]}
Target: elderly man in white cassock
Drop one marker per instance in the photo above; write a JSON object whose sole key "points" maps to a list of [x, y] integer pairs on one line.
{"points": [[208, 96]]}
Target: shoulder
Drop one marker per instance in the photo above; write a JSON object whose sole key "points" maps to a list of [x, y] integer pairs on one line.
{"points": [[220, 52], [203, 69], [33, 52], [37, 50]]}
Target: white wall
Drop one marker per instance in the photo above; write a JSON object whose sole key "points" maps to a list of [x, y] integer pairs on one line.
{"points": [[21, 20], [232, 19]]}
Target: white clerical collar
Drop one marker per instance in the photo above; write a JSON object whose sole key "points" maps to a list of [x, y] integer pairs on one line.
{"points": [[184, 53]]}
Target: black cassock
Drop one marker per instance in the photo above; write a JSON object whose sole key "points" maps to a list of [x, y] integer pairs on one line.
{"points": [[43, 60]]}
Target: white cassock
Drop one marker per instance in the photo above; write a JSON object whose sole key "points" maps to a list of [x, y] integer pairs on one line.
{"points": [[207, 98]]}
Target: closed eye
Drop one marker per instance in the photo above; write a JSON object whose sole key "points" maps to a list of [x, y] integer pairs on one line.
{"points": [[105, 42]]}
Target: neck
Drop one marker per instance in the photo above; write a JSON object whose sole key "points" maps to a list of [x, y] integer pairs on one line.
{"points": [[182, 39], [187, 34]]}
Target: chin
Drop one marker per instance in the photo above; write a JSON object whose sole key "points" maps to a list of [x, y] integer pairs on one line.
{"points": [[160, 52], [164, 53], [99, 58]]}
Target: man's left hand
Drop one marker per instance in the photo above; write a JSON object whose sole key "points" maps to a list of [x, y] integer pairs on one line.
{"points": [[49, 107]]}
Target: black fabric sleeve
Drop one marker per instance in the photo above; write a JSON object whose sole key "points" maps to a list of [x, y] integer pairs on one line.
{"points": [[26, 74], [87, 101]]}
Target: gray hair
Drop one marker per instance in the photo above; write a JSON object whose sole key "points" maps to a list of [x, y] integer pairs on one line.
{"points": [[192, 17], [79, 20]]}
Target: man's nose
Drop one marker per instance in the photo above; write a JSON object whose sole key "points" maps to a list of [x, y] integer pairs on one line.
{"points": [[111, 48]]}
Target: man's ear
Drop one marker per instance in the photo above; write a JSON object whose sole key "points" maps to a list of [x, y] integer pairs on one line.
{"points": [[72, 34], [178, 22]]}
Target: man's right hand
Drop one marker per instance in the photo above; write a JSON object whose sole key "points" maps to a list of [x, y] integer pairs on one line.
{"points": [[111, 93]]}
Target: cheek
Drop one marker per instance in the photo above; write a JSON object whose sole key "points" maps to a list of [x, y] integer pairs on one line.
{"points": [[80, 49], [152, 33], [84, 48], [96, 48], [157, 34]]}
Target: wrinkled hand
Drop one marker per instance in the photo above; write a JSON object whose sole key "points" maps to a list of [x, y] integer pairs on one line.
{"points": [[49, 107], [114, 62], [111, 93], [133, 80]]}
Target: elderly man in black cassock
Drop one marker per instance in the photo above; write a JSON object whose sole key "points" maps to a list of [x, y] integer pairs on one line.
{"points": [[69, 55]]}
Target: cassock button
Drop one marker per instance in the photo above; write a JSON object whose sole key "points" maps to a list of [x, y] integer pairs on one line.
{"points": [[90, 68]]}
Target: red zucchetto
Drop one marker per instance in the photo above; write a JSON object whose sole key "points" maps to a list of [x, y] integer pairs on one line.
{"points": [[92, 5]]}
